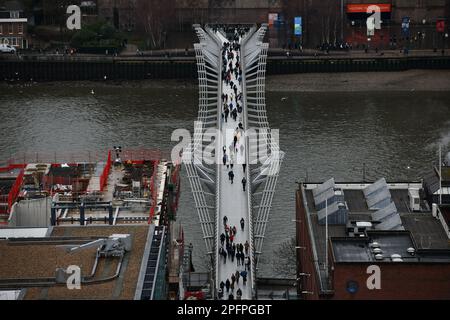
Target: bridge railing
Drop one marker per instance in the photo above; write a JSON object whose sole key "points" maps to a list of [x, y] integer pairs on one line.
{"points": [[247, 161]]}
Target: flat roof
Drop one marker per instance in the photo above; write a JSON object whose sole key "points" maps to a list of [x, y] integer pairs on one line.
{"points": [[6, 233], [422, 231], [390, 243], [30, 259]]}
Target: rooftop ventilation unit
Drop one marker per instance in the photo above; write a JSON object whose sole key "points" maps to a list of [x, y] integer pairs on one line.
{"points": [[411, 251], [374, 245], [377, 250], [379, 257], [395, 256], [397, 260]]}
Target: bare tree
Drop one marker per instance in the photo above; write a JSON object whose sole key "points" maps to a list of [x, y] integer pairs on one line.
{"points": [[155, 17], [285, 259]]}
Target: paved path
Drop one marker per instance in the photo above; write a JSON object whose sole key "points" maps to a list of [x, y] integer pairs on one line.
{"points": [[233, 201]]}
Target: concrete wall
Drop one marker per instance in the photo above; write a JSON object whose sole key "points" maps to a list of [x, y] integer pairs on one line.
{"points": [[31, 213]]}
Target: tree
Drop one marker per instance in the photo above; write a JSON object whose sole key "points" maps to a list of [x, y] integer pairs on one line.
{"points": [[285, 259], [155, 17]]}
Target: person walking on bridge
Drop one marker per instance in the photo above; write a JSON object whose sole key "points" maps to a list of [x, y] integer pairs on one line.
{"points": [[227, 285], [233, 279], [244, 183], [239, 294], [244, 277], [231, 176], [246, 245], [237, 275], [222, 239], [225, 220], [242, 224]]}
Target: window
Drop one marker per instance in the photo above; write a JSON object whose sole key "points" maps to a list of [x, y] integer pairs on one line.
{"points": [[10, 28], [20, 28], [1, 29], [14, 14]]}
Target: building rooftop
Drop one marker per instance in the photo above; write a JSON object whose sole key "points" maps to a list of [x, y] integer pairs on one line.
{"points": [[422, 231], [391, 245], [49, 253]]}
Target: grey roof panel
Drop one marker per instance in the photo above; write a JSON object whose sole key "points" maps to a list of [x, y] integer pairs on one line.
{"points": [[380, 197], [323, 187], [324, 196], [375, 187], [384, 213]]}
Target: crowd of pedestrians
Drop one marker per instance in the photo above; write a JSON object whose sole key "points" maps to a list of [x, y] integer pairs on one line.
{"points": [[234, 249]]}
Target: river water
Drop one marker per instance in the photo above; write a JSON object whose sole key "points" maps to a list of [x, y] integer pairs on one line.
{"points": [[323, 134]]}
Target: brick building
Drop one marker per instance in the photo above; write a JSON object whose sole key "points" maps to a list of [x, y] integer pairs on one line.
{"points": [[121, 13], [13, 25], [410, 248]]}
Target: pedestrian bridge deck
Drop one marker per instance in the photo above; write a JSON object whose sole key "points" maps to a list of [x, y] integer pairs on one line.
{"points": [[233, 200]]}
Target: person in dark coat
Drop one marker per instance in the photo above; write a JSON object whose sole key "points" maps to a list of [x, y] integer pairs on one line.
{"points": [[244, 183], [242, 227], [227, 285], [244, 277], [231, 176], [238, 258], [231, 297], [222, 285], [237, 275], [247, 246], [222, 239], [233, 278], [238, 294]]}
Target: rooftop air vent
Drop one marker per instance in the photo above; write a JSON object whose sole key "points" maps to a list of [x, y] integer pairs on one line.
{"points": [[411, 251], [374, 245], [397, 260], [379, 257], [395, 256], [377, 250]]}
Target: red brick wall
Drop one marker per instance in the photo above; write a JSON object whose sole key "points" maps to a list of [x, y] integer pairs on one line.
{"points": [[398, 281]]}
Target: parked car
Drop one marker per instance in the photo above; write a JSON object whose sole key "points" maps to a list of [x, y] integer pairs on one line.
{"points": [[6, 48]]}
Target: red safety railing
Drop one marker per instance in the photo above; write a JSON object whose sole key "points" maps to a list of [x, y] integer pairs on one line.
{"points": [[105, 173], [14, 192]]}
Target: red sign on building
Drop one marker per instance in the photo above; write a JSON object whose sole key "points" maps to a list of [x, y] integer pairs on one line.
{"points": [[440, 26], [362, 8]]}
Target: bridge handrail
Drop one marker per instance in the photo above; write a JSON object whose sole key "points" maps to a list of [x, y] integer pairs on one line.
{"points": [[247, 160], [218, 147]]}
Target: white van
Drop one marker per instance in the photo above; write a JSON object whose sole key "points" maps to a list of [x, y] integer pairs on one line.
{"points": [[6, 48]]}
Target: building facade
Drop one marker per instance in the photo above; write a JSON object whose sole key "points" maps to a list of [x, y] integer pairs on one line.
{"points": [[13, 25]]}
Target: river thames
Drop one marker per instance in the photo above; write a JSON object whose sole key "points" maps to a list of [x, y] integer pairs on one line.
{"points": [[324, 134]]}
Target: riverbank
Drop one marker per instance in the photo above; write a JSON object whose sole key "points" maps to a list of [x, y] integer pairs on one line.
{"points": [[402, 81], [410, 80]]}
